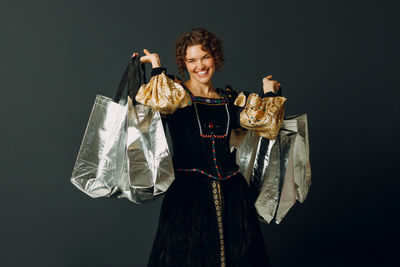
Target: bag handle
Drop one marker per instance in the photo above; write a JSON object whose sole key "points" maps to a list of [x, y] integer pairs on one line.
{"points": [[134, 76], [279, 93]]}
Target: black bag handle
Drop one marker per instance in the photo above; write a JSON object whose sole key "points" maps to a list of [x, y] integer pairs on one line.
{"points": [[134, 76], [279, 93]]}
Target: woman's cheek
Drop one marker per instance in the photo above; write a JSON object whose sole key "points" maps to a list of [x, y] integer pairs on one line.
{"points": [[190, 67]]}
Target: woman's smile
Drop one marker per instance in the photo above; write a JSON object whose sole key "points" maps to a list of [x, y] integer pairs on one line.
{"points": [[202, 74]]}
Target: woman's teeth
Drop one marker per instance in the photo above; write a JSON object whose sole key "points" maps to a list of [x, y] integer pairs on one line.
{"points": [[202, 72]]}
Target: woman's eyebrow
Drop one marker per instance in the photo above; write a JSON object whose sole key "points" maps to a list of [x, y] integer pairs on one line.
{"points": [[188, 59]]}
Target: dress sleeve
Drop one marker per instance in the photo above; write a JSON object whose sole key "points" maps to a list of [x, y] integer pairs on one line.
{"points": [[264, 115], [163, 93]]}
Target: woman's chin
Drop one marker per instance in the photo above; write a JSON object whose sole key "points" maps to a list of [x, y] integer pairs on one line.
{"points": [[204, 79]]}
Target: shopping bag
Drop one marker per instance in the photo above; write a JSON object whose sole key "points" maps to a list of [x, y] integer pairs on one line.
{"points": [[97, 168], [278, 171], [124, 152], [148, 165]]}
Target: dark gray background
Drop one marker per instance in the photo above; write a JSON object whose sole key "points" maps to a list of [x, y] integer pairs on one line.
{"points": [[336, 60]]}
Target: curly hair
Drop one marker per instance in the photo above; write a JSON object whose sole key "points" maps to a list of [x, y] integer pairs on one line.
{"points": [[198, 36]]}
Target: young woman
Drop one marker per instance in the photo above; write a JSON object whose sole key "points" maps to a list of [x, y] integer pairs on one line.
{"points": [[207, 216]]}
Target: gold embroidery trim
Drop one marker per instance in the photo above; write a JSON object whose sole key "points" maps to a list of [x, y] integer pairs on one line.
{"points": [[216, 190]]}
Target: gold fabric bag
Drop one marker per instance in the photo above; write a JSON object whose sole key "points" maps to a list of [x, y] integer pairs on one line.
{"points": [[262, 115]]}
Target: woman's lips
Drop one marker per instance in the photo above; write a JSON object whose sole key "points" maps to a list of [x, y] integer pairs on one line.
{"points": [[202, 74]]}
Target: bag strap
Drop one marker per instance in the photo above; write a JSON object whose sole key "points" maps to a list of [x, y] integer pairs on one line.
{"points": [[134, 76], [279, 93]]}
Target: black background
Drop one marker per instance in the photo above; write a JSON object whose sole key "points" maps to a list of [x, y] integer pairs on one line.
{"points": [[336, 60]]}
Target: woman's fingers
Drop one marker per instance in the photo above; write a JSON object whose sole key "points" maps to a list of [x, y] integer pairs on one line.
{"points": [[145, 59], [270, 85], [269, 77], [142, 59], [148, 57]]}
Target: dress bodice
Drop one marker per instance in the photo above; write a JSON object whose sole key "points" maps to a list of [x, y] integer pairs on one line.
{"points": [[200, 136]]}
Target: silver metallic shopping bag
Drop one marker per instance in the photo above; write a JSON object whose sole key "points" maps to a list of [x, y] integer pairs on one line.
{"points": [[124, 151], [278, 171], [148, 166], [98, 165]]}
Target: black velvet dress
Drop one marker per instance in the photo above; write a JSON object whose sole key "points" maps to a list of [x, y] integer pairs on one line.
{"points": [[207, 216]]}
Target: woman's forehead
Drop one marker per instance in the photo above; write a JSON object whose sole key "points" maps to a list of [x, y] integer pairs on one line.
{"points": [[195, 51]]}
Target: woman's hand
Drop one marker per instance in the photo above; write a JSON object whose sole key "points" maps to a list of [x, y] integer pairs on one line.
{"points": [[270, 85], [150, 58]]}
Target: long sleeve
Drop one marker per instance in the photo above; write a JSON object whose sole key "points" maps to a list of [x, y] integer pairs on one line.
{"points": [[264, 115], [163, 93]]}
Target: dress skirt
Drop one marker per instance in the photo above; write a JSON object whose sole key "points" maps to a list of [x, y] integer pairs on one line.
{"points": [[208, 223]]}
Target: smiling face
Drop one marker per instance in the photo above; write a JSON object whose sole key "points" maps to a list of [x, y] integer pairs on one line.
{"points": [[200, 64]]}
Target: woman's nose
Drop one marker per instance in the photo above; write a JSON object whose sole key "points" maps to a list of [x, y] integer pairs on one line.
{"points": [[200, 65]]}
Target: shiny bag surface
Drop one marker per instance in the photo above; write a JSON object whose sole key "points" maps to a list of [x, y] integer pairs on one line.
{"points": [[124, 151], [97, 168], [148, 163], [278, 171]]}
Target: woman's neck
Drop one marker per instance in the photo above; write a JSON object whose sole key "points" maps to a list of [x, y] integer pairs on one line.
{"points": [[200, 89]]}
